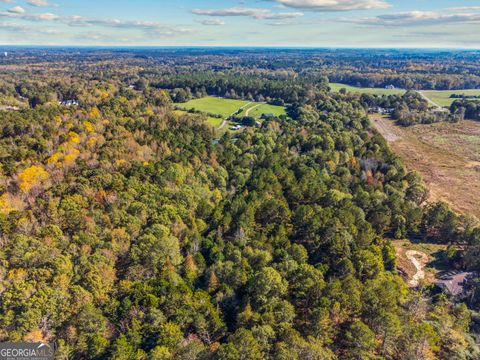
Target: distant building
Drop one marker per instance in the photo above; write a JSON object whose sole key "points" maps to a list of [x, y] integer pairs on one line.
{"points": [[68, 102], [440, 109], [453, 282], [390, 87], [9, 108], [381, 110]]}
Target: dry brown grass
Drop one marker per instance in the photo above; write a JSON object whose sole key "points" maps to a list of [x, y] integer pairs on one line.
{"points": [[446, 155]]}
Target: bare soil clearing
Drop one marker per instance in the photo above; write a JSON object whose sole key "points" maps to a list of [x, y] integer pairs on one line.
{"points": [[419, 260], [446, 155], [384, 126]]}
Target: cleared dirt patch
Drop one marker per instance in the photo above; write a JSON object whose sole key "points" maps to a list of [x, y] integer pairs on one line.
{"points": [[473, 164], [446, 155], [419, 261], [390, 132]]}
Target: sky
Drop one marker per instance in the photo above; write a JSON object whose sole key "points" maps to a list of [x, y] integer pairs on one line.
{"points": [[273, 23]]}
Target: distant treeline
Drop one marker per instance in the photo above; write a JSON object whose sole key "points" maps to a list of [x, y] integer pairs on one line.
{"points": [[469, 109], [463, 96]]}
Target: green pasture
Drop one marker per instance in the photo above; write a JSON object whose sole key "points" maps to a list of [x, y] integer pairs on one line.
{"points": [[335, 87], [214, 105], [256, 110], [442, 97]]}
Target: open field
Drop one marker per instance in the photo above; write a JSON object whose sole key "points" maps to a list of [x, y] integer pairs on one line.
{"points": [[374, 91], [226, 107], [214, 105], [442, 97], [256, 110], [212, 121], [215, 122], [446, 155]]}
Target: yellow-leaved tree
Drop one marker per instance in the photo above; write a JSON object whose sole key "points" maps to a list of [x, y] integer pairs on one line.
{"points": [[94, 112], [73, 137], [31, 177], [6, 204], [88, 126]]}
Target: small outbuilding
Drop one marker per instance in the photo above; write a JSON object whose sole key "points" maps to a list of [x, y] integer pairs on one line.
{"points": [[453, 282]]}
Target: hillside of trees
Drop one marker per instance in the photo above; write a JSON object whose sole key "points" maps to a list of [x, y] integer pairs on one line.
{"points": [[130, 231], [469, 109], [406, 69]]}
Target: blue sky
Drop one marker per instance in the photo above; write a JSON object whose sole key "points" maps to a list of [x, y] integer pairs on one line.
{"points": [[304, 23]]}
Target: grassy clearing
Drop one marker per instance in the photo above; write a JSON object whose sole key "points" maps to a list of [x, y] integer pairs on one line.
{"points": [[442, 97], [374, 91], [227, 107], [256, 110], [215, 122], [445, 154], [432, 250], [212, 121], [214, 105]]}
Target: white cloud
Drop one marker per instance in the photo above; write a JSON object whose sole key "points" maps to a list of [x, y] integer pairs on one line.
{"points": [[38, 3], [417, 18], [335, 5], [17, 10], [465, 8], [12, 26], [256, 13], [284, 15], [21, 28], [214, 22], [75, 20], [23, 15], [238, 11]]}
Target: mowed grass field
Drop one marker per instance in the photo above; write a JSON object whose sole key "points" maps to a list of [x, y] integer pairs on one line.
{"points": [[335, 87], [446, 155], [442, 97], [256, 110], [214, 105], [227, 107], [212, 121]]}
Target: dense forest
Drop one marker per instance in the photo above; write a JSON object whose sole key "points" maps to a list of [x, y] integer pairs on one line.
{"points": [[130, 231], [468, 108], [412, 108], [406, 69]]}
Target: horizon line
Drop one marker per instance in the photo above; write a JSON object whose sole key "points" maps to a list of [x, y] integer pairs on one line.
{"points": [[279, 47]]}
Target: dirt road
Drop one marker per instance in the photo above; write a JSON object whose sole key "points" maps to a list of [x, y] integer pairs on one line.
{"points": [[386, 128], [419, 260], [224, 122], [253, 107], [430, 101]]}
